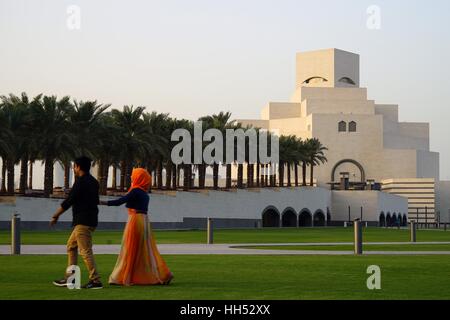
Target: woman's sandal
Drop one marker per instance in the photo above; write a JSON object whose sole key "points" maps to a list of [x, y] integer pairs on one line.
{"points": [[167, 282]]}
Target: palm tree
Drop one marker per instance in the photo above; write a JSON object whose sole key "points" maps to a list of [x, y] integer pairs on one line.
{"points": [[306, 150], [107, 148], [220, 121], [17, 122], [132, 140], [33, 150], [50, 120], [316, 156], [300, 155], [176, 169], [5, 135], [156, 153], [84, 122], [287, 157], [207, 123], [240, 165]]}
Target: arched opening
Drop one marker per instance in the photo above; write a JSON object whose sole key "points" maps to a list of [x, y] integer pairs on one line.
{"points": [[382, 220], [319, 219], [289, 218], [359, 174], [342, 126], [405, 220], [305, 219], [271, 218], [347, 80], [388, 220], [352, 126], [313, 80], [394, 220]]}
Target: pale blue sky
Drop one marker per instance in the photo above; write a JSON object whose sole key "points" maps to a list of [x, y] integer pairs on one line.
{"points": [[197, 57]]}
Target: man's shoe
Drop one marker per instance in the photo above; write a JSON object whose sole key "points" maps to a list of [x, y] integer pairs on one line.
{"points": [[93, 285], [60, 283]]}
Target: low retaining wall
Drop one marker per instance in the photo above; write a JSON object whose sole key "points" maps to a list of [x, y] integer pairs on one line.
{"points": [[229, 209]]}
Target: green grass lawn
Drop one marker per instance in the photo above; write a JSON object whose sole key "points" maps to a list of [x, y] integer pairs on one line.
{"points": [[242, 236], [371, 247], [242, 277]]}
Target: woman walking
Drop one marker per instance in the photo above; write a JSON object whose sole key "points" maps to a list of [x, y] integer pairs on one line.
{"points": [[139, 261]]}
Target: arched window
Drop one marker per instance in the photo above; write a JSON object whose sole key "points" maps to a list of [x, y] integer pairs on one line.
{"points": [[315, 80], [342, 127], [347, 80], [352, 126]]}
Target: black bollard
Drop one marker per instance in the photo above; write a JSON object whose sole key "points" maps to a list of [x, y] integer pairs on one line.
{"points": [[358, 237], [210, 239], [413, 231], [15, 234]]}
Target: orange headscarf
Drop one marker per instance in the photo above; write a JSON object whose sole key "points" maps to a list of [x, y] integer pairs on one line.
{"points": [[141, 179]]}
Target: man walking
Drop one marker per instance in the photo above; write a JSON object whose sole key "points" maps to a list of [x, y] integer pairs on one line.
{"points": [[84, 200]]}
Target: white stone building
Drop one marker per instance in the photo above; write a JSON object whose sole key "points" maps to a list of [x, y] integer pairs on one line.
{"points": [[364, 138]]}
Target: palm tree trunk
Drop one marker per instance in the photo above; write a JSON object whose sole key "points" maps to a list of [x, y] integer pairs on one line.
{"points": [[178, 175], [174, 176], [240, 176], [304, 173], [215, 176], [10, 170], [114, 177], [272, 177], [3, 188], [23, 175], [30, 176], [160, 178], [249, 176], [257, 175], [281, 174], [128, 175], [48, 177], [100, 177], [311, 178], [186, 177], [263, 177], [228, 176], [201, 175], [191, 181], [289, 175], [66, 175], [168, 175], [296, 174], [105, 176], [102, 174], [123, 169]]}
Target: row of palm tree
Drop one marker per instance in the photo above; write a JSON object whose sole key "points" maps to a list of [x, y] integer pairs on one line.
{"points": [[53, 130], [295, 153]]}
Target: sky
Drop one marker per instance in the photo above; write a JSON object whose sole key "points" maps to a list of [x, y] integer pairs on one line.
{"points": [[196, 57]]}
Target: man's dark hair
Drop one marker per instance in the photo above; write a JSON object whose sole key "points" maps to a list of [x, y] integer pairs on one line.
{"points": [[84, 163]]}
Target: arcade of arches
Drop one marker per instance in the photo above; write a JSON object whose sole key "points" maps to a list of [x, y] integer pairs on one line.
{"points": [[290, 218]]}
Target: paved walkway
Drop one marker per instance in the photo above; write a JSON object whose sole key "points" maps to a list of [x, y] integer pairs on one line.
{"points": [[231, 249]]}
